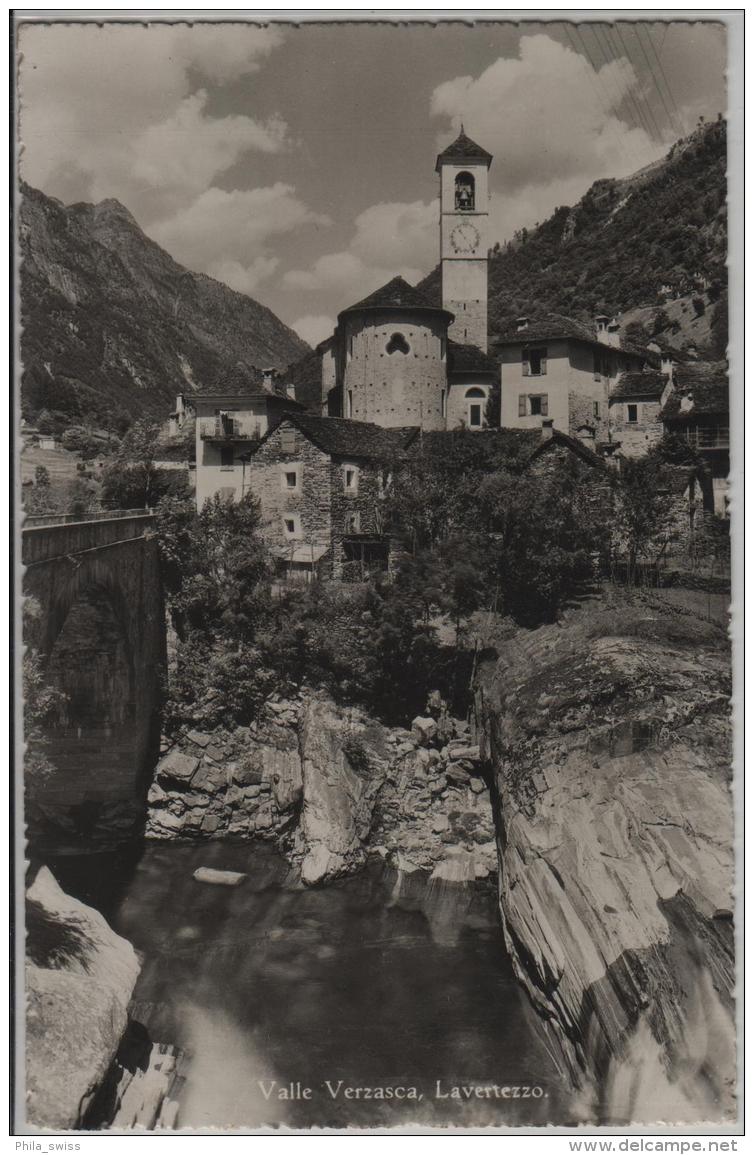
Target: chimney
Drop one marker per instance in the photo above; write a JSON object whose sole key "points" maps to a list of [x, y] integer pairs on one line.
{"points": [[547, 423], [290, 390], [692, 351], [268, 378], [522, 323], [600, 328], [666, 365], [613, 334]]}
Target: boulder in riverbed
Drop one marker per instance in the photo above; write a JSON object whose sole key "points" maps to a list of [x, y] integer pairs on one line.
{"points": [[218, 877], [79, 979]]}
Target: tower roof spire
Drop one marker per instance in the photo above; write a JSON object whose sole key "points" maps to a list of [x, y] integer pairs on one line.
{"points": [[462, 150]]}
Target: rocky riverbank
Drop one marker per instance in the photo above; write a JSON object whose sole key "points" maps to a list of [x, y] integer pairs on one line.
{"points": [[609, 734], [330, 785]]}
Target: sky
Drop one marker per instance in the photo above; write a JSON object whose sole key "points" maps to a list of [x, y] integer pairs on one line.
{"points": [[296, 162]]}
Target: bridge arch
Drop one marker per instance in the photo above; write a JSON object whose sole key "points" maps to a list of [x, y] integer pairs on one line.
{"points": [[100, 632]]}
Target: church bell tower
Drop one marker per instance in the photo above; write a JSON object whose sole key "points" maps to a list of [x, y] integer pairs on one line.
{"points": [[464, 216]]}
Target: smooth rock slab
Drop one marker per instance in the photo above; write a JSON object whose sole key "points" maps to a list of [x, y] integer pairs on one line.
{"points": [[75, 1012], [218, 877]]}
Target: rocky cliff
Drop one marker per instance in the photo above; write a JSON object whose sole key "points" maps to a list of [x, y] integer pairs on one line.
{"points": [[113, 327], [79, 979], [330, 786], [609, 735]]}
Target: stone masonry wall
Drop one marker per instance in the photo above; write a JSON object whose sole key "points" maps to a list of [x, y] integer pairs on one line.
{"points": [[395, 389], [636, 437], [366, 502], [310, 501]]}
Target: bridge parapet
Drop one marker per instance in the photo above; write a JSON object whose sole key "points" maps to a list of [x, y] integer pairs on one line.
{"points": [[33, 520], [51, 542]]}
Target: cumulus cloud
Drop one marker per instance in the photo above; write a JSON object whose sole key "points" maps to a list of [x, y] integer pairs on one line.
{"points": [[123, 111], [229, 231], [390, 239], [314, 328], [570, 135], [110, 111]]}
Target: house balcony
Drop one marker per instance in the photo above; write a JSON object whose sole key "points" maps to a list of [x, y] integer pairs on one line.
{"points": [[227, 429], [708, 436]]}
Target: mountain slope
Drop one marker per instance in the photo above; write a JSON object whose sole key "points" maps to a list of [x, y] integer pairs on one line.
{"points": [[621, 243], [113, 327]]}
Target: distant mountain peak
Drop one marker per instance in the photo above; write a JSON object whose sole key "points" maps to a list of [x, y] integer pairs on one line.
{"points": [[114, 327]]}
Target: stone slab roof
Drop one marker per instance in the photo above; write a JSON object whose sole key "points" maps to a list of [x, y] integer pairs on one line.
{"points": [[463, 149], [555, 325], [396, 294], [648, 384], [465, 358], [342, 437], [239, 383], [707, 382]]}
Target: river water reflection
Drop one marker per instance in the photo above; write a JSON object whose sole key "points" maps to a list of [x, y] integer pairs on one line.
{"points": [[375, 981]]}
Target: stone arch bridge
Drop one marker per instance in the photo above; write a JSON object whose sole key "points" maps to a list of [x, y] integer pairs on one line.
{"points": [[95, 613]]}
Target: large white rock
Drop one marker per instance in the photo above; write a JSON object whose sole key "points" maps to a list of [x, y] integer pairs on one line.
{"points": [[76, 1013]]}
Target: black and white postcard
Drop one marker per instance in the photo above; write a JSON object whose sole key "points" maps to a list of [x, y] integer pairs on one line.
{"points": [[378, 451]]}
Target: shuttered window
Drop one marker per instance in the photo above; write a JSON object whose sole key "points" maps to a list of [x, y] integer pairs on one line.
{"points": [[522, 405], [525, 362], [543, 410]]}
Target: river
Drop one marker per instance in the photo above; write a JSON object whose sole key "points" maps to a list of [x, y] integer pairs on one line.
{"points": [[376, 981]]}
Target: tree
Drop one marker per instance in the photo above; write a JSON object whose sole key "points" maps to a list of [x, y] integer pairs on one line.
{"points": [[643, 514], [546, 536], [216, 575]]}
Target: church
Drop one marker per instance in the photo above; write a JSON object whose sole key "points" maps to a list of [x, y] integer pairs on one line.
{"points": [[319, 444], [396, 358]]}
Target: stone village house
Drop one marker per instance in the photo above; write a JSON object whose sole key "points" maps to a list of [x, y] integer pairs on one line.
{"points": [[321, 482]]}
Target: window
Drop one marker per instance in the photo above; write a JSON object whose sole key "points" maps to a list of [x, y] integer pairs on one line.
{"points": [[350, 403], [350, 479], [290, 477], [226, 457], [596, 409], [384, 478], [533, 405], [443, 403], [292, 525], [534, 362], [397, 344], [632, 414], [465, 192], [601, 365], [476, 398], [352, 523]]}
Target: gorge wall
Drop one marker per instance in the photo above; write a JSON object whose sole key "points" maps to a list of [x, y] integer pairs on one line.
{"points": [[331, 785], [609, 734]]}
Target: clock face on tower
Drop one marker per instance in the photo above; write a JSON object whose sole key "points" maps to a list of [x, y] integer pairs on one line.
{"points": [[464, 238]]}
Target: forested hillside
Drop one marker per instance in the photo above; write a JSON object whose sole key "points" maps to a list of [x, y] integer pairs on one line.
{"points": [[622, 244]]}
